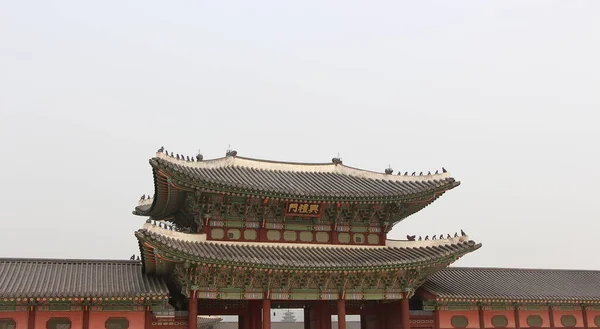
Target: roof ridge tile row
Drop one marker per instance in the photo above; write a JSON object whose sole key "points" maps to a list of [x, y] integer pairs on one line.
{"points": [[303, 184]]}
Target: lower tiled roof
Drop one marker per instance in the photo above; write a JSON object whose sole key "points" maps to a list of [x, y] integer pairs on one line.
{"points": [[306, 256], [39, 278], [505, 284]]}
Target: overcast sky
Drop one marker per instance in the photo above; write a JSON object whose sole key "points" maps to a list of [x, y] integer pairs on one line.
{"points": [[504, 94]]}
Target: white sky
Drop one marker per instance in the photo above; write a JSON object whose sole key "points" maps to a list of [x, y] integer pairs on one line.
{"points": [[504, 94]]}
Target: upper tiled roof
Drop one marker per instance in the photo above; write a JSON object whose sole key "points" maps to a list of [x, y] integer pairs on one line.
{"points": [[406, 254], [41, 278], [505, 284], [300, 180]]}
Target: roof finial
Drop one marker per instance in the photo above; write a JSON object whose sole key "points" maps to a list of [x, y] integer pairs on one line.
{"points": [[337, 161], [161, 149], [389, 170], [230, 152], [199, 156]]}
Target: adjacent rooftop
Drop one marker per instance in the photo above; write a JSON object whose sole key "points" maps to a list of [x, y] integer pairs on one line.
{"points": [[506, 284], [41, 278]]}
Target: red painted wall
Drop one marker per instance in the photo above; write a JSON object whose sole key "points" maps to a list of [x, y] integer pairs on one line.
{"points": [[509, 314], [543, 314], [98, 318], [446, 317], [19, 317], [41, 317], [577, 314], [262, 237], [591, 315]]}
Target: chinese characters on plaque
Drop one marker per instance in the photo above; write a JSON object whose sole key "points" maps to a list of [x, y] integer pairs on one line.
{"points": [[306, 209]]}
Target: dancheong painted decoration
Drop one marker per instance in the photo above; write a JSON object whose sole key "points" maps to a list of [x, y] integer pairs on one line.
{"points": [[240, 236]]}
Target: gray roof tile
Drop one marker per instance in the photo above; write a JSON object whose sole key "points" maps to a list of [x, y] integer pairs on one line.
{"points": [[300, 180], [305, 256], [76, 278], [515, 284]]}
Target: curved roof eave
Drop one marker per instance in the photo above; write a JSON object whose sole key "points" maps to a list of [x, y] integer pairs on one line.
{"points": [[408, 254], [292, 181]]}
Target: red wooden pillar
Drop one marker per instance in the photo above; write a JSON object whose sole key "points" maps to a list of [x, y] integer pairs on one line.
{"points": [[436, 318], [382, 318], [325, 315], [148, 318], [262, 234], [241, 321], [86, 317], [585, 317], [517, 317], [315, 316], [266, 311], [551, 314], [307, 317], [193, 311], [481, 317], [257, 311], [31, 317], [382, 238], [324, 320], [405, 313], [251, 316], [341, 312]]}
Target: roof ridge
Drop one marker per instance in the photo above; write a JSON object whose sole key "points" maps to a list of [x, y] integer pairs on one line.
{"points": [[68, 260], [285, 162], [493, 268], [268, 165]]}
